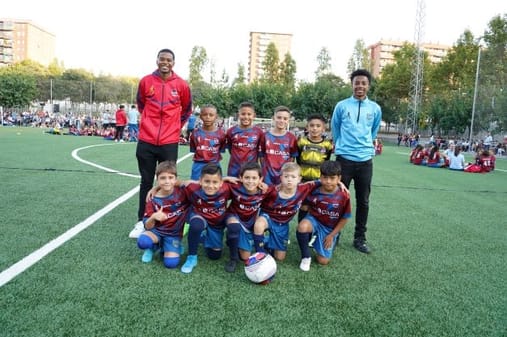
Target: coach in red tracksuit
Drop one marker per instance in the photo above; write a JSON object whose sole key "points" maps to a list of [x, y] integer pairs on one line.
{"points": [[165, 102]]}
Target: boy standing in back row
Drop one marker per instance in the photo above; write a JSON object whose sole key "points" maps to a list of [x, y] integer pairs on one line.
{"points": [[278, 147], [314, 149], [243, 140], [207, 142]]}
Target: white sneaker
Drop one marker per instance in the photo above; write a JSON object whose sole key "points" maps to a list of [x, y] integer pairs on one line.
{"points": [[305, 264], [138, 230]]}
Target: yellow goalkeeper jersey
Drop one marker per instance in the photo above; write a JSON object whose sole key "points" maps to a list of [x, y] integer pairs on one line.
{"points": [[312, 155]]}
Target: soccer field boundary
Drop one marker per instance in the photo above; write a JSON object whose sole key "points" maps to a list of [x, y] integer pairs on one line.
{"points": [[28, 261], [76, 157]]}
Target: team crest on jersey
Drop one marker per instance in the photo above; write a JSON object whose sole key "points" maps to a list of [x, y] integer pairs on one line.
{"points": [[151, 91], [174, 92]]}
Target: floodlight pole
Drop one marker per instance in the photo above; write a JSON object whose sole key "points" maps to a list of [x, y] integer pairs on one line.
{"points": [[475, 94]]}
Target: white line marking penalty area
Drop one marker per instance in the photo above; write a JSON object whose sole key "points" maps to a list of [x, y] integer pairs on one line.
{"points": [[28, 261]]}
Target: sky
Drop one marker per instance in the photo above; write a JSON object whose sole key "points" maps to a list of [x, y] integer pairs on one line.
{"points": [[123, 38]]}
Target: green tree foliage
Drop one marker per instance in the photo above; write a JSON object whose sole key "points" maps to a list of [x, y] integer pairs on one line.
{"points": [[198, 62], [17, 89], [56, 69], [324, 63], [452, 83], [360, 58], [319, 97], [288, 72], [392, 91], [265, 96], [218, 96], [241, 75], [492, 90], [451, 86], [393, 88], [271, 65], [447, 91]]}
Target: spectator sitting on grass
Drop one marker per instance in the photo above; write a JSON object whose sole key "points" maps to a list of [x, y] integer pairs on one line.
{"points": [[434, 159], [417, 156]]}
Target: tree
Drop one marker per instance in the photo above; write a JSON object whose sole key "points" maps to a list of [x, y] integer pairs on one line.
{"points": [[288, 72], [241, 78], [491, 102], [271, 65], [360, 58], [212, 72], [55, 69], [451, 87], [16, 89], [198, 61], [319, 97], [392, 91], [264, 95], [324, 63]]}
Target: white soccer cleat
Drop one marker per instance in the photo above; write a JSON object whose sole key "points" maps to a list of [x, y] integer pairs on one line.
{"points": [[138, 230], [305, 264]]}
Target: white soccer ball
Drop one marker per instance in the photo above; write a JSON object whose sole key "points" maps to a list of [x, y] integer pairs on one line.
{"points": [[260, 268]]}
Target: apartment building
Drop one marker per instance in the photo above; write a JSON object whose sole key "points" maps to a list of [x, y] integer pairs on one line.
{"points": [[259, 42], [382, 53], [23, 40]]}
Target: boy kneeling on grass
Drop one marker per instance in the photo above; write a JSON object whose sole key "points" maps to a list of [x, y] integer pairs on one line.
{"points": [[329, 209], [164, 217]]}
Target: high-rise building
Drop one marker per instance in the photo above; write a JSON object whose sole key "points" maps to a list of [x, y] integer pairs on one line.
{"points": [[22, 40], [382, 53], [259, 42]]}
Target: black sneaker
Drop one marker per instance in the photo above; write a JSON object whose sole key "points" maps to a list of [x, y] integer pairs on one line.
{"points": [[230, 267], [361, 246]]}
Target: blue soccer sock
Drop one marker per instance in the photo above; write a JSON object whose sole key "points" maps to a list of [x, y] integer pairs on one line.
{"points": [[259, 243], [233, 240], [303, 240], [197, 225]]}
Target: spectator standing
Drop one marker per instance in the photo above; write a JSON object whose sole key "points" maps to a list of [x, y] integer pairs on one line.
{"points": [[190, 126], [487, 141], [355, 123], [133, 120], [106, 120], [121, 122], [165, 102]]}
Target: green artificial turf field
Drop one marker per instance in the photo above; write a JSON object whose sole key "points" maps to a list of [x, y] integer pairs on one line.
{"points": [[437, 268]]}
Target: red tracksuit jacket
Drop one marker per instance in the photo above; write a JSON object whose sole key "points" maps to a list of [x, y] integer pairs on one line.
{"points": [[165, 107]]}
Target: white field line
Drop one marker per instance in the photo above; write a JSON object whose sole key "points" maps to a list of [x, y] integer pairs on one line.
{"points": [[28, 261]]}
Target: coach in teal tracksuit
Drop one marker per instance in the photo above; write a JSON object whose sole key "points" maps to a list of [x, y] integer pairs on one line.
{"points": [[354, 125]]}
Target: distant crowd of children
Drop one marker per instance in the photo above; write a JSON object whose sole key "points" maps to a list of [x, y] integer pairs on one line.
{"points": [[271, 177], [124, 128], [452, 158]]}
